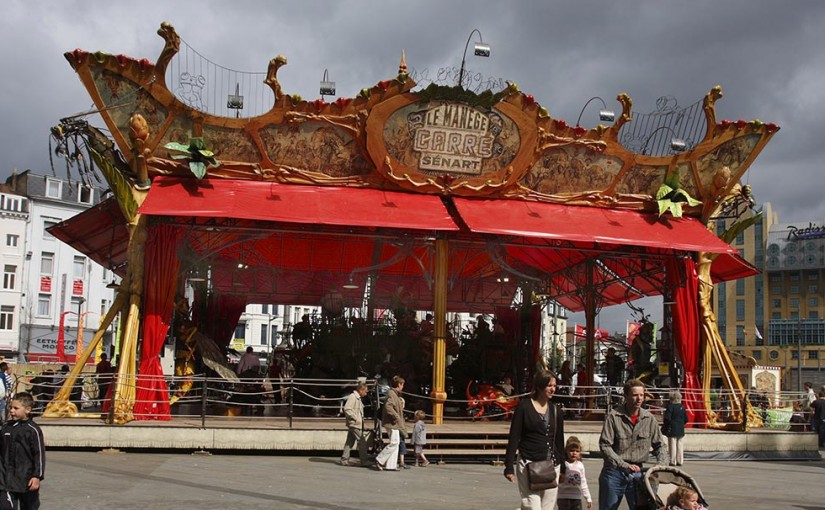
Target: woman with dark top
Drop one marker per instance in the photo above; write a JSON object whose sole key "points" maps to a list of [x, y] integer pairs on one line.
{"points": [[673, 426], [537, 433]]}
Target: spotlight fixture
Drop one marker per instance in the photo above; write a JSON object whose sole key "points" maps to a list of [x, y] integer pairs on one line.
{"points": [[235, 101], [350, 285], [196, 276], [676, 144], [113, 285], [481, 49], [605, 115], [327, 87]]}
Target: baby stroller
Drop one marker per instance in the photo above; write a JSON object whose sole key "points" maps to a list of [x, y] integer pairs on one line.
{"points": [[656, 484]]}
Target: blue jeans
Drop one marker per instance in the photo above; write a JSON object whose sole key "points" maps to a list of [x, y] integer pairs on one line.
{"points": [[614, 484]]}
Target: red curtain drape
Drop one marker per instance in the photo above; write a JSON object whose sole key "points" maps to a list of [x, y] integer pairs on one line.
{"points": [[683, 281], [160, 283], [218, 318]]}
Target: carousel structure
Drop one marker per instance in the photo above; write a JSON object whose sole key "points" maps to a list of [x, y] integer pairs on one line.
{"points": [[402, 198]]}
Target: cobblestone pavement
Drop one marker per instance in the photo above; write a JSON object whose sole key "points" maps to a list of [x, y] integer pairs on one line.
{"points": [[158, 481]]}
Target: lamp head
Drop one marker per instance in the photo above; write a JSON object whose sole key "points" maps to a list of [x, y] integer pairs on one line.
{"points": [[677, 144], [481, 49], [327, 88], [607, 115]]}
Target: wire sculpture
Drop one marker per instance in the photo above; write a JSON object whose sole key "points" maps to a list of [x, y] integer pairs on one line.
{"points": [[645, 134], [448, 76]]}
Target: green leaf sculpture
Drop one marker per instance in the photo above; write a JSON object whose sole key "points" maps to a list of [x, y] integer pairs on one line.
{"points": [[200, 158], [670, 197]]}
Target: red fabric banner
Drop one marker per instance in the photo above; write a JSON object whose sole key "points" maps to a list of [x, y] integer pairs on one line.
{"points": [[683, 281], [162, 266]]}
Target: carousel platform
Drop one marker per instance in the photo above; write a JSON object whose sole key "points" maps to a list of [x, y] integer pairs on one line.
{"points": [[450, 442]]}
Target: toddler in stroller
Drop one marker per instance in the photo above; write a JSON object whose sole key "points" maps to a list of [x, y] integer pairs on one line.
{"points": [[668, 488]]}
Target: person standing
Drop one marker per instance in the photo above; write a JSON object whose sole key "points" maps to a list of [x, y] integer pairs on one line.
{"points": [[673, 426], [574, 487], [614, 367], [4, 391], [354, 414], [249, 361], [393, 418], [23, 454], [103, 372], [419, 439], [810, 396], [818, 417], [629, 434], [537, 434]]}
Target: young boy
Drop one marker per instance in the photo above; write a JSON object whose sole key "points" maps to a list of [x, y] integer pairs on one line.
{"points": [[23, 453]]}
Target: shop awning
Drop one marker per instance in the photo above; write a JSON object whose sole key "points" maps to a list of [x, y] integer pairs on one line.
{"points": [[604, 227], [100, 232], [268, 201]]}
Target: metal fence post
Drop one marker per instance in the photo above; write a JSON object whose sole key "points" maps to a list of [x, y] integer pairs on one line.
{"points": [[289, 412], [203, 402]]}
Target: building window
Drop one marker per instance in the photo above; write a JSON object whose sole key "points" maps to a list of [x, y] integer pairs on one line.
{"points": [[6, 318], [740, 287], [240, 330], [776, 277], [757, 354], [740, 335], [776, 315], [12, 240], [84, 194], [46, 263], [9, 272], [793, 302], [740, 238], [813, 354], [774, 355], [813, 289], [794, 276], [54, 188], [47, 224], [44, 305], [794, 289], [776, 290], [776, 303], [813, 314], [813, 277], [813, 302], [740, 310], [79, 267], [794, 354], [264, 308], [264, 329]]}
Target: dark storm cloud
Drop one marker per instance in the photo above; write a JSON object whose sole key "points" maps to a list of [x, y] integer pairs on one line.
{"points": [[766, 55]]}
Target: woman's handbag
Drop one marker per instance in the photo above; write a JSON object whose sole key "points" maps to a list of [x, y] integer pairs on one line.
{"points": [[541, 475]]}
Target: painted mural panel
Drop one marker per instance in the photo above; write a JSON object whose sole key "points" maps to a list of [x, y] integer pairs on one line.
{"points": [[730, 154], [115, 91], [642, 180], [231, 144], [179, 131], [314, 146], [572, 169]]}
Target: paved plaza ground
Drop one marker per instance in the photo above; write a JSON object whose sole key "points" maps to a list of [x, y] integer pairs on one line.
{"points": [[158, 481]]}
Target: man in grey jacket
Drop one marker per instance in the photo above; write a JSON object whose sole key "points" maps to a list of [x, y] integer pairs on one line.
{"points": [[628, 436], [354, 413]]}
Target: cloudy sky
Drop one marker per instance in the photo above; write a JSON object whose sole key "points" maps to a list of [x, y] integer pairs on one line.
{"points": [[766, 55]]}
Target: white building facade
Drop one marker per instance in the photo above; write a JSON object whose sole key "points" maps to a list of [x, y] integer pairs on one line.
{"points": [[13, 219], [57, 280]]}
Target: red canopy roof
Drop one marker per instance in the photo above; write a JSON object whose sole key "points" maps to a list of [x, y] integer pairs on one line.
{"points": [[269, 201], [267, 228]]}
